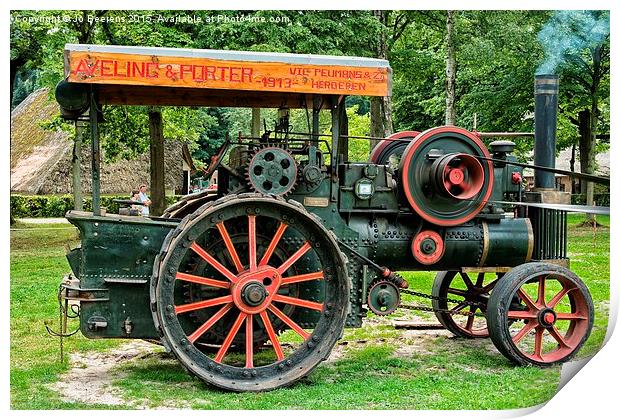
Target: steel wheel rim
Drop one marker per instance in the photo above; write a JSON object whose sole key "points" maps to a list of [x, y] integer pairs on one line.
{"points": [[540, 317], [315, 344]]}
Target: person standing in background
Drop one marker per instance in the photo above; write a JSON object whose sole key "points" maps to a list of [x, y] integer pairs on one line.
{"points": [[146, 201]]}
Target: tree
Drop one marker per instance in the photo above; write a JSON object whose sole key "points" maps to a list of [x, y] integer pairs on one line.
{"points": [[393, 25], [28, 33], [450, 70], [577, 45]]}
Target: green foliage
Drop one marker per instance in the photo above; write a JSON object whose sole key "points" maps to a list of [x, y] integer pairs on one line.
{"points": [[497, 54], [359, 125], [58, 205], [601, 199]]}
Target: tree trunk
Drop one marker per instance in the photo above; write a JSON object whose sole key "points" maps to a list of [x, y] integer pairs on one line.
{"points": [[158, 192], [450, 70], [15, 66], [376, 120], [386, 107], [381, 107], [588, 125], [76, 168], [587, 143], [572, 167]]}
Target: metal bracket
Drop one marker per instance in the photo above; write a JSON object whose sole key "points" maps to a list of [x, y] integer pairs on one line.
{"points": [[76, 293]]}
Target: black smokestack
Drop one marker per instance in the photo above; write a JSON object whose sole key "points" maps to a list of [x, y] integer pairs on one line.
{"points": [[545, 124]]}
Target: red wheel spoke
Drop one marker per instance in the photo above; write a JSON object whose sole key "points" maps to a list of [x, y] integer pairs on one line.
{"points": [[272, 335], [249, 342], [288, 321], [230, 247], [303, 277], [480, 280], [229, 338], [274, 243], [203, 280], [214, 263], [522, 315], [489, 286], [467, 281], [538, 342], [252, 241], [541, 291], [458, 292], [210, 322], [558, 337], [526, 298], [524, 331], [459, 307], [203, 304], [470, 320], [293, 258], [299, 302], [571, 316], [557, 298]]}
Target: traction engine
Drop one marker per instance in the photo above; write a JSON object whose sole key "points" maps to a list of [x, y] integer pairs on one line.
{"points": [[250, 286]]}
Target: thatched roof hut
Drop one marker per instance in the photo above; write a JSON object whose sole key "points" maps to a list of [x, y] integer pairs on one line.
{"points": [[41, 158]]}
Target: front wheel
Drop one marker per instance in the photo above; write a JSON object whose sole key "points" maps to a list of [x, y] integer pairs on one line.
{"points": [[540, 314], [458, 287]]}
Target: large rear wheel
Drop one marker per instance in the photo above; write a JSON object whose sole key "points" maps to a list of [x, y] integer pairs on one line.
{"points": [[250, 292]]}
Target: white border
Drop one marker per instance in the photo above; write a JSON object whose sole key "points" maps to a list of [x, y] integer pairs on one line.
{"points": [[593, 393]]}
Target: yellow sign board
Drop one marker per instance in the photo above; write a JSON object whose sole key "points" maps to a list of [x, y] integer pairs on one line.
{"points": [[103, 67]]}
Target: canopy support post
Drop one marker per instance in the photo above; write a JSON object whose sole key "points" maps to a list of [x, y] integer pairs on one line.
{"points": [[95, 154], [335, 140]]}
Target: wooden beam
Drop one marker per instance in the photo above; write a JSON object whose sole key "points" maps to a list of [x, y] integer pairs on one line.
{"points": [[158, 190]]}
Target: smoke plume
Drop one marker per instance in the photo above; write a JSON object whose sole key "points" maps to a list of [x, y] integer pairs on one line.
{"points": [[570, 32]]}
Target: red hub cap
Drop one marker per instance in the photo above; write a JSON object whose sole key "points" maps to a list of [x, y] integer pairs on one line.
{"points": [[549, 318], [463, 176], [427, 247]]}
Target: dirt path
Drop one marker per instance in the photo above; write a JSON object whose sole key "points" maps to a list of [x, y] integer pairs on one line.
{"points": [[90, 378]]}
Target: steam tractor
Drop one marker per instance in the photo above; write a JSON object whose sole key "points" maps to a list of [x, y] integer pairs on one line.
{"points": [[250, 286]]}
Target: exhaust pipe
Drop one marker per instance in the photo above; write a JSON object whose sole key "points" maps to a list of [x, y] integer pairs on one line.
{"points": [[545, 126]]}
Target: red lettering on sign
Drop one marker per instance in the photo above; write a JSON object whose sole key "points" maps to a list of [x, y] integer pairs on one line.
{"points": [[152, 70], [105, 70], [210, 73], [84, 67], [246, 74], [135, 70], [185, 68], [235, 75], [127, 69], [198, 77]]}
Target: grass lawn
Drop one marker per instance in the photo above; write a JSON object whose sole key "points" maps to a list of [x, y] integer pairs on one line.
{"points": [[380, 368]]}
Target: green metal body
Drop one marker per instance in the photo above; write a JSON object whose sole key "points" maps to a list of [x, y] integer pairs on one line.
{"points": [[114, 265], [115, 260]]}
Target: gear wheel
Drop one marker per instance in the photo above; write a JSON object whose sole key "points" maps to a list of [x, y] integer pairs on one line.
{"points": [[383, 297], [272, 170]]}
